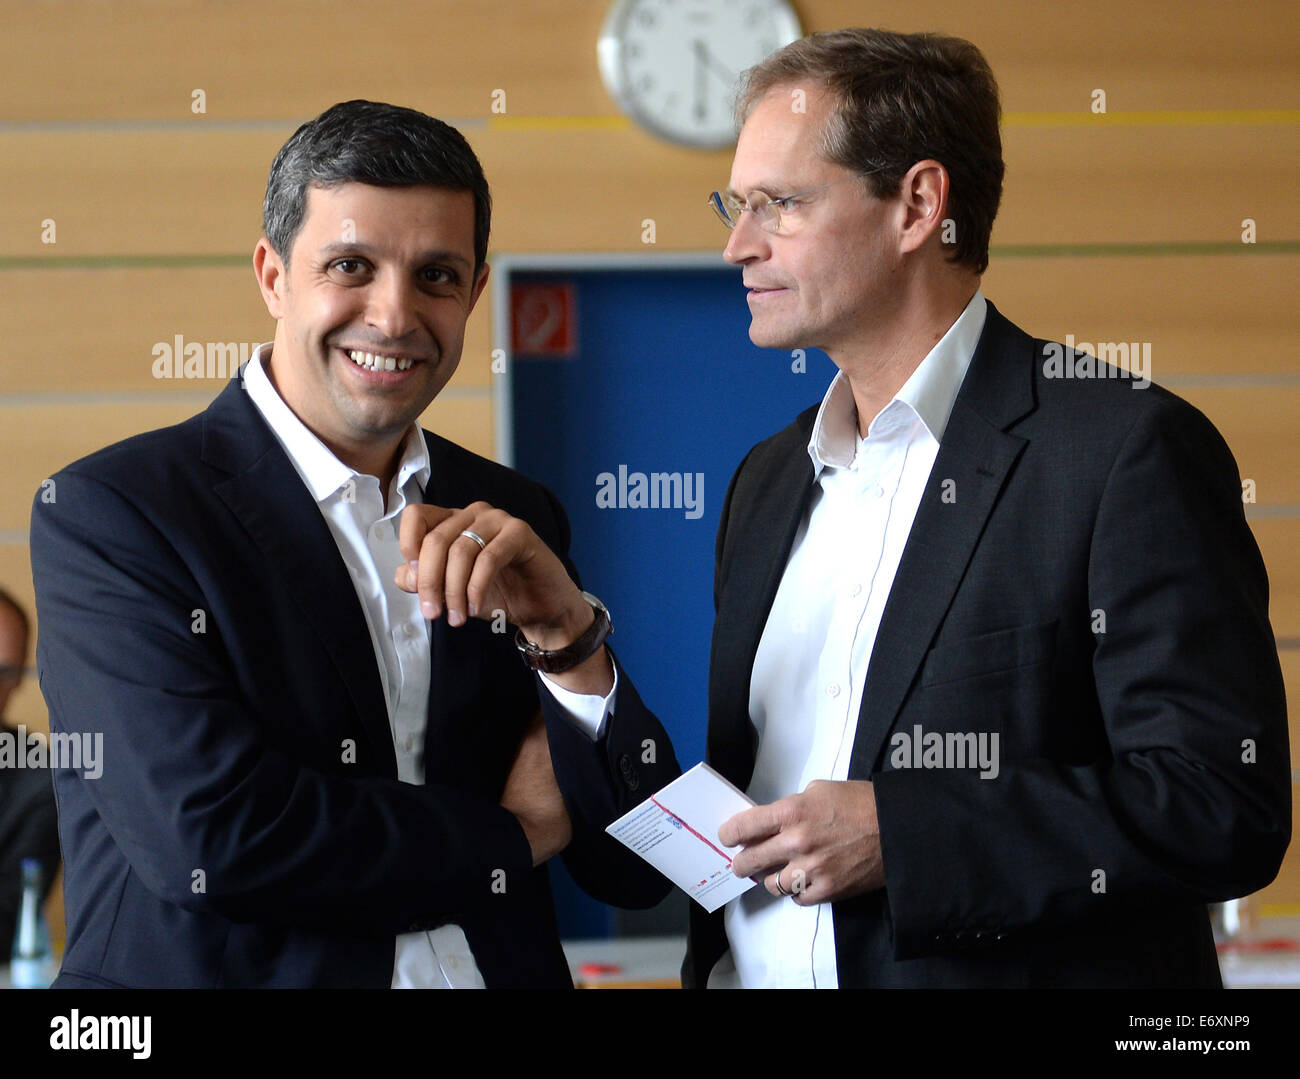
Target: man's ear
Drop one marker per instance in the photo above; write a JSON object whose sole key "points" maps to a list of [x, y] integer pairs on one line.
{"points": [[477, 290], [924, 196], [271, 276]]}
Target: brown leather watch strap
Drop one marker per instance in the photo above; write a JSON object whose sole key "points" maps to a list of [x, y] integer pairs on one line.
{"points": [[559, 660]]}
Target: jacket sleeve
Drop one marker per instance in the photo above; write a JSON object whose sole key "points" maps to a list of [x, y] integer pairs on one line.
{"points": [[207, 813], [604, 778], [1190, 800]]}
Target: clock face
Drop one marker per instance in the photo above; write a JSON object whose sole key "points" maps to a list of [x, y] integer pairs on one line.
{"points": [[673, 64]]}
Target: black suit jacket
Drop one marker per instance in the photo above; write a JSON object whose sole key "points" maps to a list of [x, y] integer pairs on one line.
{"points": [[1144, 770], [248, 828]]}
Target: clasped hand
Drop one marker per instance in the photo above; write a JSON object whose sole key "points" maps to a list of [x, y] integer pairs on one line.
{"points": [[513, 572], [516, 573]]}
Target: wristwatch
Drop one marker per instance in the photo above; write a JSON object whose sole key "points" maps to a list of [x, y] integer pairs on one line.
{"points": [[562, 659]]}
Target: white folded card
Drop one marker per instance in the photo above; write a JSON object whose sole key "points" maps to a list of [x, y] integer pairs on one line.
{"points": [[676, 831]]}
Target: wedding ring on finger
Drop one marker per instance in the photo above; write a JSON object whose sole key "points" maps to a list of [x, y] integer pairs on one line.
{"points": [[482, 543], [778, 885]]}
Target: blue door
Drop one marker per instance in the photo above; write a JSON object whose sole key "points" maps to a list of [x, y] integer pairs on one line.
{"points": [[639, 433]]}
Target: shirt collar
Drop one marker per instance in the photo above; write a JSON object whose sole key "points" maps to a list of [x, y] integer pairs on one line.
{"points": [[928, 394], [322, 472]]}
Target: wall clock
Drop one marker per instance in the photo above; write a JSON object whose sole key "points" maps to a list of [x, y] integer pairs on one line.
{"points": [[672, 65]]}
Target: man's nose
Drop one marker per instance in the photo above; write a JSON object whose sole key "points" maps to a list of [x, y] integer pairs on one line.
{"points": [[390, 307], [746, 242]]}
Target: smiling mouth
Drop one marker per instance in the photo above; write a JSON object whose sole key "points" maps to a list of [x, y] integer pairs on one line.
{"points": [[372, 361]]}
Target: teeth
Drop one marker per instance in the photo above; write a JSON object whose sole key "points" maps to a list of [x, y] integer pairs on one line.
{"points": [[371, 362]]}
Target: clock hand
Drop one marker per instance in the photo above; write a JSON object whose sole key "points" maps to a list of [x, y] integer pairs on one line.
{"points": [[701, 78], [705, 54]]}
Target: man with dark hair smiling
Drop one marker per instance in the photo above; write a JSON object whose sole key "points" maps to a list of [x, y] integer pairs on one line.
{"points": [[957, 549], [310, 776]]}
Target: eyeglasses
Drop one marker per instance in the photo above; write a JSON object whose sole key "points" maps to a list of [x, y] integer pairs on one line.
{"points": [[767, 211]]}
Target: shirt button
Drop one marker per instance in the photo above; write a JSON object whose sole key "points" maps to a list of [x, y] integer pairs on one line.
{"points": [[856, 590], [380, 531], [877, 491], [833, 690]]}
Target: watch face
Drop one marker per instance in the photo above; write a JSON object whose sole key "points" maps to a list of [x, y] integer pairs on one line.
{"points": [[673, 64]]}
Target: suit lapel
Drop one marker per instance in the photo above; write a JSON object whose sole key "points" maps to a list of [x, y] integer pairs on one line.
{"points": [[758, 558], [454, 667], [977, 455], [266, 494]]}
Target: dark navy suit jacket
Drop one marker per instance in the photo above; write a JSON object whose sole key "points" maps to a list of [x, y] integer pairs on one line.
{"points": [[248, 828], [1080, 580]]}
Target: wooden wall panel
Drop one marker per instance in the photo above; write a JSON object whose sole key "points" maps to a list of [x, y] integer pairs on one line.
{"points": [[52, 435], [189, 189], [466, 419], [1113, 184], [1221, 315], [87, 59], [121, 191], [94, 330]]}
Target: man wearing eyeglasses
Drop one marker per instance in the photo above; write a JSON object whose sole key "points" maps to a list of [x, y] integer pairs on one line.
{"points": [[992, 653]]}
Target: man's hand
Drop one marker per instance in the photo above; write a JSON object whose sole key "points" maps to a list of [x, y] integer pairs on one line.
{"points": [[532, 795], [513, 572], [817, 846]]}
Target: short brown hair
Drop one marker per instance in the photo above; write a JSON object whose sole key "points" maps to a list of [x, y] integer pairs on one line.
{"points": [[899, 99]]}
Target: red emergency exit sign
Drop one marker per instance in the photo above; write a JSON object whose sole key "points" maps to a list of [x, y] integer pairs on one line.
{"points": [[543, 320]]}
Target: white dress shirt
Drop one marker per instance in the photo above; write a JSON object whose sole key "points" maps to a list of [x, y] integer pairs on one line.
{"points": [[812, 665], [365, 531]]}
